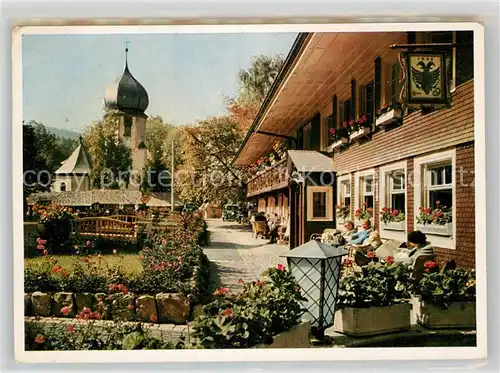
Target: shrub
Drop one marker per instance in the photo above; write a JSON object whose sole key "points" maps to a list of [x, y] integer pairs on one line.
{"points": [[444, 286], [440, 215], [89, 335], [377, 285], [388, 215], [262, 310]]}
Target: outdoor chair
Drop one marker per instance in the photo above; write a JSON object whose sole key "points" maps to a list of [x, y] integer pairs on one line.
{"points": [[259, 229]]}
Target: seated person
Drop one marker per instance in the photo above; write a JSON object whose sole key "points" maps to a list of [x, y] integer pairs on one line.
{"points": [[274, 223], [349, 230], [360, 236], [417, 246], [373, 241]]}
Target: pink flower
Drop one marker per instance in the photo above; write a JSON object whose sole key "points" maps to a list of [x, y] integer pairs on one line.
{"points": [[280, 267], [65, 310], [130, 307], [88, 243], [153, 318], [45, 252], [347, 262], [40, 241], [70, 328], [260, 283], [40, 247], [389, 259], [395, 212], [86, 310], [240, 281], [39, 339]]}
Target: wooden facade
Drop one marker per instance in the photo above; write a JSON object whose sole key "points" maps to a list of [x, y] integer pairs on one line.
{"points": [[331, 78]]}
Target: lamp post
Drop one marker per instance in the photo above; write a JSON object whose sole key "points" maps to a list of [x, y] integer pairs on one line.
{"points": [[317, 266]]}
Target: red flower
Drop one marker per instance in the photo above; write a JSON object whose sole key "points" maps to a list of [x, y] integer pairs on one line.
{"points": [[379, 112], [280, 267], [40, 241], [39, 339], [347, 262], [389, 259], [65, 310], [88, 243], [86, 260], [430, 264], [351, 122], [70, 328], [385, 106], [45, 252], [363, 118], [86, 310], [221, 291], [40, 247], [260, 283], [438, 203], [371, 254], [227, 312], [344, 124], [357, 212], [240, 281], [369, 209], [331, 131], [365, 204], [130, 307], [395, 212], [95, 315], [153, 318], [56, 269]]}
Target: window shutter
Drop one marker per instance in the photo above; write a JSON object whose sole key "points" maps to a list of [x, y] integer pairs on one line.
{"points": [[335, 112], [362, 100], [353, 99], [377, 83]]}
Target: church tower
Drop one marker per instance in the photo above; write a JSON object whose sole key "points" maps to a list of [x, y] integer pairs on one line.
{"points": [[131, 100]]}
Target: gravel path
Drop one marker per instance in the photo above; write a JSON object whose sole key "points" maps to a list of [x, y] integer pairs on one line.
{"points": [[236, 254]]}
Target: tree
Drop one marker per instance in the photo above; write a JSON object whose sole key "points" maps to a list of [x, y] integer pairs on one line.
{"points": [[111, 158]]}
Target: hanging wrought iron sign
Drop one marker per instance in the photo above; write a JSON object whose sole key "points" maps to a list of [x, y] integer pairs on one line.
{"points": [[425, 80]]}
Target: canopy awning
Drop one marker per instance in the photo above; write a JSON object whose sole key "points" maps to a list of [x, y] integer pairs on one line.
{"points": [[309, 161]]}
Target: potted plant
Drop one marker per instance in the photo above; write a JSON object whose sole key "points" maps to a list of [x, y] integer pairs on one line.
{"points": [[388, 114], [375, 300], [342, 212], [445, 298], [359, 128], [54, 222], [435, 221], [393, 219], [364, 213], [340, 136]]}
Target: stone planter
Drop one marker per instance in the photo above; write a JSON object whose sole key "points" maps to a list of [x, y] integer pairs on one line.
{"points": [[457, 315], [172, 307], [296, 337], [363, 131], [390, 117], [372, 320], [437, 229], [395, 225]]}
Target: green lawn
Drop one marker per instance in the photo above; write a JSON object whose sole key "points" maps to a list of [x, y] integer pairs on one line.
{"points": [[130, 263]]}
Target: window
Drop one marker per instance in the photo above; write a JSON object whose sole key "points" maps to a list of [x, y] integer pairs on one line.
{"points": [[306, 136], [63, 187], [345, 193], [396, 190], [395, 83], [369, 101], [439, 185], [367, 191], [319, 203], [127, 121], [347, 110]]}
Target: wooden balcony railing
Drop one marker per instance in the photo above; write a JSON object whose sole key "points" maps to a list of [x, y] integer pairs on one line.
{"points": [[275, 177]]}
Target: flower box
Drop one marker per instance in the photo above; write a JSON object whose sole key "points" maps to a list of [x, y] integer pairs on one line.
{"points": [[373, 320], [457, 315], [395, 225], [338, 143], [363, 131], [437, 229], [390, 117], [296, 337]]}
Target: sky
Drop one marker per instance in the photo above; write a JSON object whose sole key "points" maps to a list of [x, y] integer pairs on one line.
{"points": [[186, 76]]}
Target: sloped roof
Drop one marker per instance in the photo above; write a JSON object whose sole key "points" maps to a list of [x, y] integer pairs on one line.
{"points": [[315, 250], [77, 163], [310, 161], [87, 198], [162, 200]]}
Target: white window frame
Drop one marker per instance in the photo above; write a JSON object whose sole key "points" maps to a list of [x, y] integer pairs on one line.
{"points": [[420, 164], [341, 180], [384, 195], [358, 197], [329, 202]]}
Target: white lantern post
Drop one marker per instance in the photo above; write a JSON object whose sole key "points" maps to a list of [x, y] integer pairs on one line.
{"points": [[317, 266]]}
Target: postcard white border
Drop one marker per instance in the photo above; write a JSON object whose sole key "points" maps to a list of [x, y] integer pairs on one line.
{"points": [[254, 355]]}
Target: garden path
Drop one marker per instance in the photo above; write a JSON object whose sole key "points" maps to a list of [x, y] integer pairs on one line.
{"points": [[237, 255]]}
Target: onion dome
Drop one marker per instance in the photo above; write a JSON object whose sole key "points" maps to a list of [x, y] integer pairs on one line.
{"points": [[126, 94]]}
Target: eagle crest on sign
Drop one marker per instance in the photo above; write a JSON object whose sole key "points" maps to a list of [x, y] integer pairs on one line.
{"points": [[425, 79]]}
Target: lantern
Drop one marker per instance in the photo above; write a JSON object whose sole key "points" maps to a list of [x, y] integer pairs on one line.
{"points": [[317, 266]]}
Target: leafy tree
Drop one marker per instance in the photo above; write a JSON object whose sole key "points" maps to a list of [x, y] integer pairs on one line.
{"points": [[111, 158]]}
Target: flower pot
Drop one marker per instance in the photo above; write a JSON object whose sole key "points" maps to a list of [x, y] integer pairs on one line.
{"points": [[395, 225], [390, 117], [457, 315], [372, 320], [296, 337], [363, 131], [343, 141], [437, 229]]}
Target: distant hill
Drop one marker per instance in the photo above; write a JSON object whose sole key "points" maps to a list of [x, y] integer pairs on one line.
{"points": [[67, 134]]}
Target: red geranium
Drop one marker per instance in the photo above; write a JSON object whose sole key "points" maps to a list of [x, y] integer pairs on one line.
{"points": [[227, 312], [389, 259], [39, 339], [280, 267], [370, 254]]}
